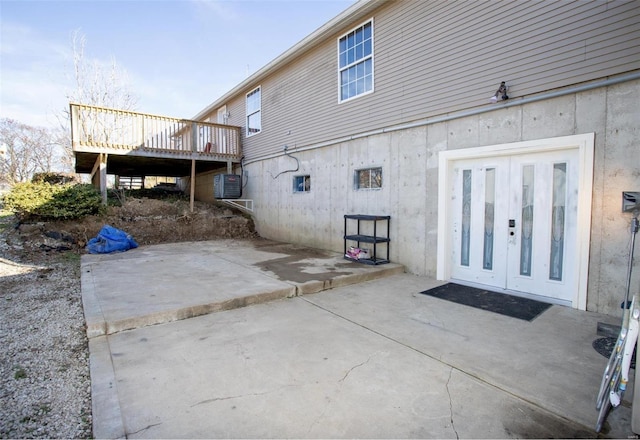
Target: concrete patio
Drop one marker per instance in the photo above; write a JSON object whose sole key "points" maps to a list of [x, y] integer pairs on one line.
{"points": [[259, 339]]}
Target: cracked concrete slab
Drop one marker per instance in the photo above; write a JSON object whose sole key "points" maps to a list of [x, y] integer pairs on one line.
{"points": [[369, 360], [290, 369], [271, 371]]}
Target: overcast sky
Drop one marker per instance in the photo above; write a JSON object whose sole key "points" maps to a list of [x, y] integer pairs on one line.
{"points": [[178, 55]]}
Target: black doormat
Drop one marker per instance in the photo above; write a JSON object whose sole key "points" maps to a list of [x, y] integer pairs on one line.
{"points": [[605, 347], [509, 305]]}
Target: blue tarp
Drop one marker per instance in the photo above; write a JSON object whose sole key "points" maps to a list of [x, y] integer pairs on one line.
{"points": [[109, 240]]}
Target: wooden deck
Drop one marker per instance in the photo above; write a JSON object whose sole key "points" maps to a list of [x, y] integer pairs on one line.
{"points": [[139, 144]]}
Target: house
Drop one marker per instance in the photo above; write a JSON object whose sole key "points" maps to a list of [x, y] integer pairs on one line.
{"points": [[498, 136]]}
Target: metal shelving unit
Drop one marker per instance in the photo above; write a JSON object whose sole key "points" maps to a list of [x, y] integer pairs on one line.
{"points": [[373, 239]]}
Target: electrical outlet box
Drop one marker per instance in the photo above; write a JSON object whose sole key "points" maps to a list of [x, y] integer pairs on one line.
{"points": [[630, 201]]}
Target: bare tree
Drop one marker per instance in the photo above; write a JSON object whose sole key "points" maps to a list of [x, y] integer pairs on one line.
{"points": [[26, 150], [95, 84]]}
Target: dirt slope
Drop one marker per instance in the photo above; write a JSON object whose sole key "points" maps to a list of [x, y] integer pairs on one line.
{"points": [[148, 221]]}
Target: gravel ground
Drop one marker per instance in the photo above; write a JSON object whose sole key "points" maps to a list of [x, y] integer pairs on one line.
{"points": [[45, 388]]}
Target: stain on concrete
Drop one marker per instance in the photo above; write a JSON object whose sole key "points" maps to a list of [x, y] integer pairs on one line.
{"points": [[525, 422], [302, 264], [292, 269]]}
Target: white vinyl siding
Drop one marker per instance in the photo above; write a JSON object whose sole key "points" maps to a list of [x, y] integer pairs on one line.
{"points": [[435, 57]]}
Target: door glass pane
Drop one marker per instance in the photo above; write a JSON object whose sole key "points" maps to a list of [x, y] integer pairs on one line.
{"points": [[557, 221], [489, 209], [466, 218], [526, 235]]}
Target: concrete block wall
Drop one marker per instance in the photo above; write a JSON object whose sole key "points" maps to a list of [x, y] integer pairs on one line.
{"points": [[409, 159]]}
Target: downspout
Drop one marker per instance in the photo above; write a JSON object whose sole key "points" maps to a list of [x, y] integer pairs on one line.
{"points": [[464, 114]]}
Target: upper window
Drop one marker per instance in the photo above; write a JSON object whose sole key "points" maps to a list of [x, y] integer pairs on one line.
{"points": [[370, 178], [355, 54], [254, 117]]}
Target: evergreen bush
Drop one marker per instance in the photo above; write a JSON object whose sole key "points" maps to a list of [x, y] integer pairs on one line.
{"points": [[46, 201], [55, 178]]}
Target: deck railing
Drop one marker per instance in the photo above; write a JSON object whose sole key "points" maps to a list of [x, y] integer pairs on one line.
{"points": [[105, 128]]}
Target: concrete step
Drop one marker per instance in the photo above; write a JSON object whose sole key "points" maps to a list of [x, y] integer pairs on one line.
{"points": [[164, 283]]}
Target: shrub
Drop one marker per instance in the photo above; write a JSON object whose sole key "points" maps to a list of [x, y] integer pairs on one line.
{"points": [[42, 200], [55, 178]]}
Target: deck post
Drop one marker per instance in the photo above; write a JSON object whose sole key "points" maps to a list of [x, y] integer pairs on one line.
{"points": [[194, 137], [74, 125], [193, 184], [103, 178], [99, 176]]}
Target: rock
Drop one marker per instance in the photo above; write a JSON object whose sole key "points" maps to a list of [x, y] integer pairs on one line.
{"points": [[31, 228]]}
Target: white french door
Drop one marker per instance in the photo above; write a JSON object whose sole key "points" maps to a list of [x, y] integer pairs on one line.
{"points": [[514, 223]]}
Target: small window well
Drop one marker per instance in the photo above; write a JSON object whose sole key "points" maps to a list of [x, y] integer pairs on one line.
{"points": [[302, 184], [369, 178]]}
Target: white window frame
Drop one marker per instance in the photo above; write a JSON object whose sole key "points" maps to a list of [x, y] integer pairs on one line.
{"points": [[356, 179], [296, 183], [353, 65], [254, 112]]}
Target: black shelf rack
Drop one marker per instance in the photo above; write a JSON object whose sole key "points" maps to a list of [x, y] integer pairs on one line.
{"points": [[372, 239]]}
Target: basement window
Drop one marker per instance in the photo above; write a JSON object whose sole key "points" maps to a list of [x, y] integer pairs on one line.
{"points": [[369, 178], [301, 184]]}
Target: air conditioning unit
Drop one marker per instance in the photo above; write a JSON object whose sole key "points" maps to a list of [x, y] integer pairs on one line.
{"points": [[227, 186]]}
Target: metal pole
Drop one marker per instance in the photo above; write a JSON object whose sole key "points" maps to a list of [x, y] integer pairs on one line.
{"points": [[634, 230]]}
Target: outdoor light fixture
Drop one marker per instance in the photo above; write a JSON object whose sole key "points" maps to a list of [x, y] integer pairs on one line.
{"points": [[502, 91]]}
